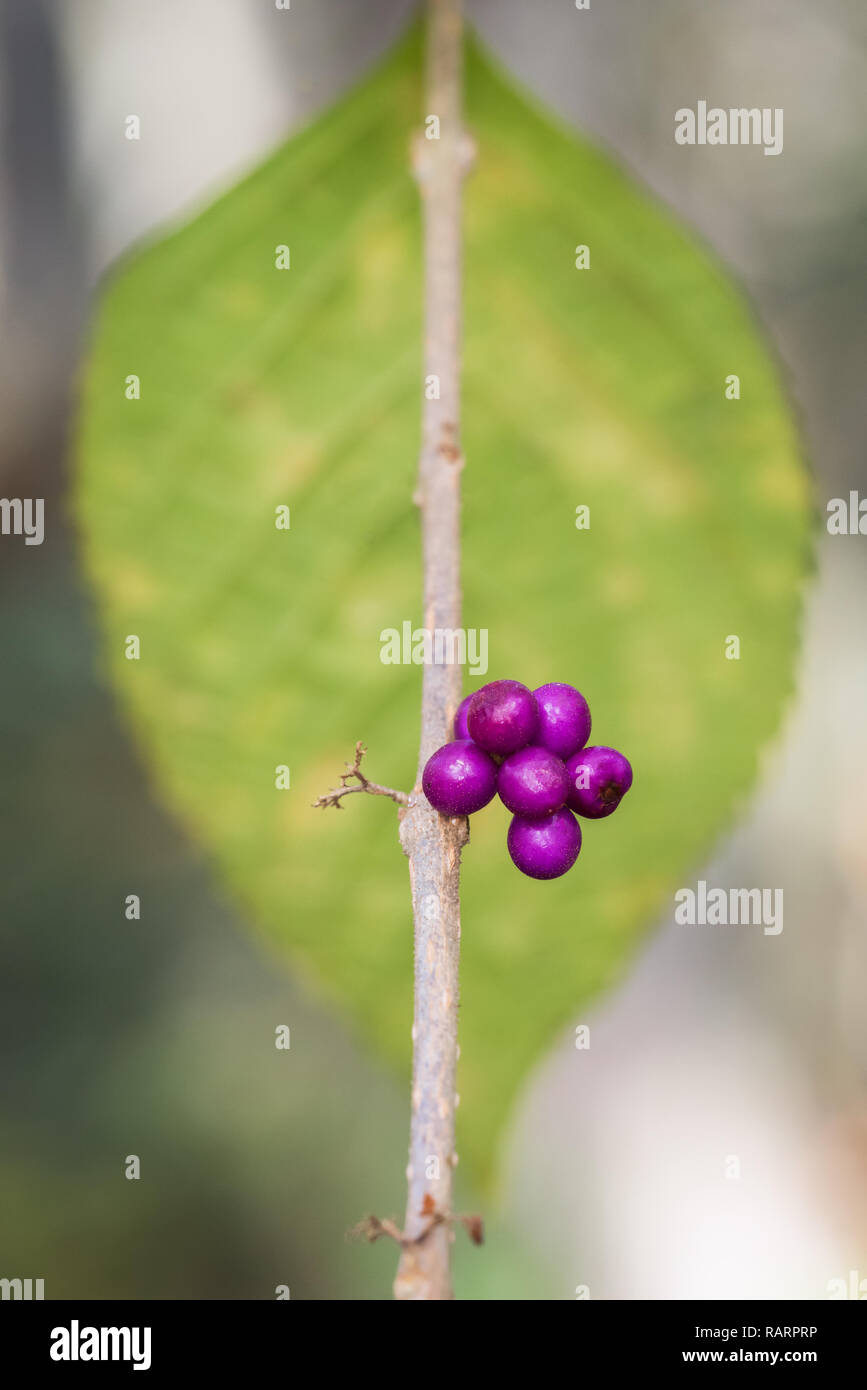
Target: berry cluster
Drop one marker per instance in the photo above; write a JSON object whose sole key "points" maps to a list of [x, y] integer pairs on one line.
{"points": [[528, 745]]}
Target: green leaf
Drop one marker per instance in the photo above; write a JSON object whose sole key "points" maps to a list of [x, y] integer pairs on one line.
{"points": [[259, 647]]}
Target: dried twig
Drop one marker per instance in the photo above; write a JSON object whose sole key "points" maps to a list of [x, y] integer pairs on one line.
{"points": [[374, 1228], [363, 784]]}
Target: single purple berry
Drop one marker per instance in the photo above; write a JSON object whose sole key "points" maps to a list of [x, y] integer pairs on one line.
{"points": [[564, 718], [533, 782], [459, 778], [599, 778], [544, 846], [502, 717], [460, 724]]}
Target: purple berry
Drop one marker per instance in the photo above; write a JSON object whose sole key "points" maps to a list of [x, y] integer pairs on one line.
{"points": [[460, 724], [533, 782], [599, 778], [544, 846], [459, 778], [502, 717], [564, 718]]}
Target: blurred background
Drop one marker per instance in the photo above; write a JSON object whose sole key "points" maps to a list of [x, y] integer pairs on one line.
{"points": [[117, 1042]]}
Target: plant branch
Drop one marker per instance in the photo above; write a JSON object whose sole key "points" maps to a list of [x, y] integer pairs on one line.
{"points": [[433, 842], [362, 784]]}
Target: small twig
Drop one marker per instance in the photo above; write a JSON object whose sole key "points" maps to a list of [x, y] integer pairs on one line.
{"points": [[374, 1228], [333, 798]]}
